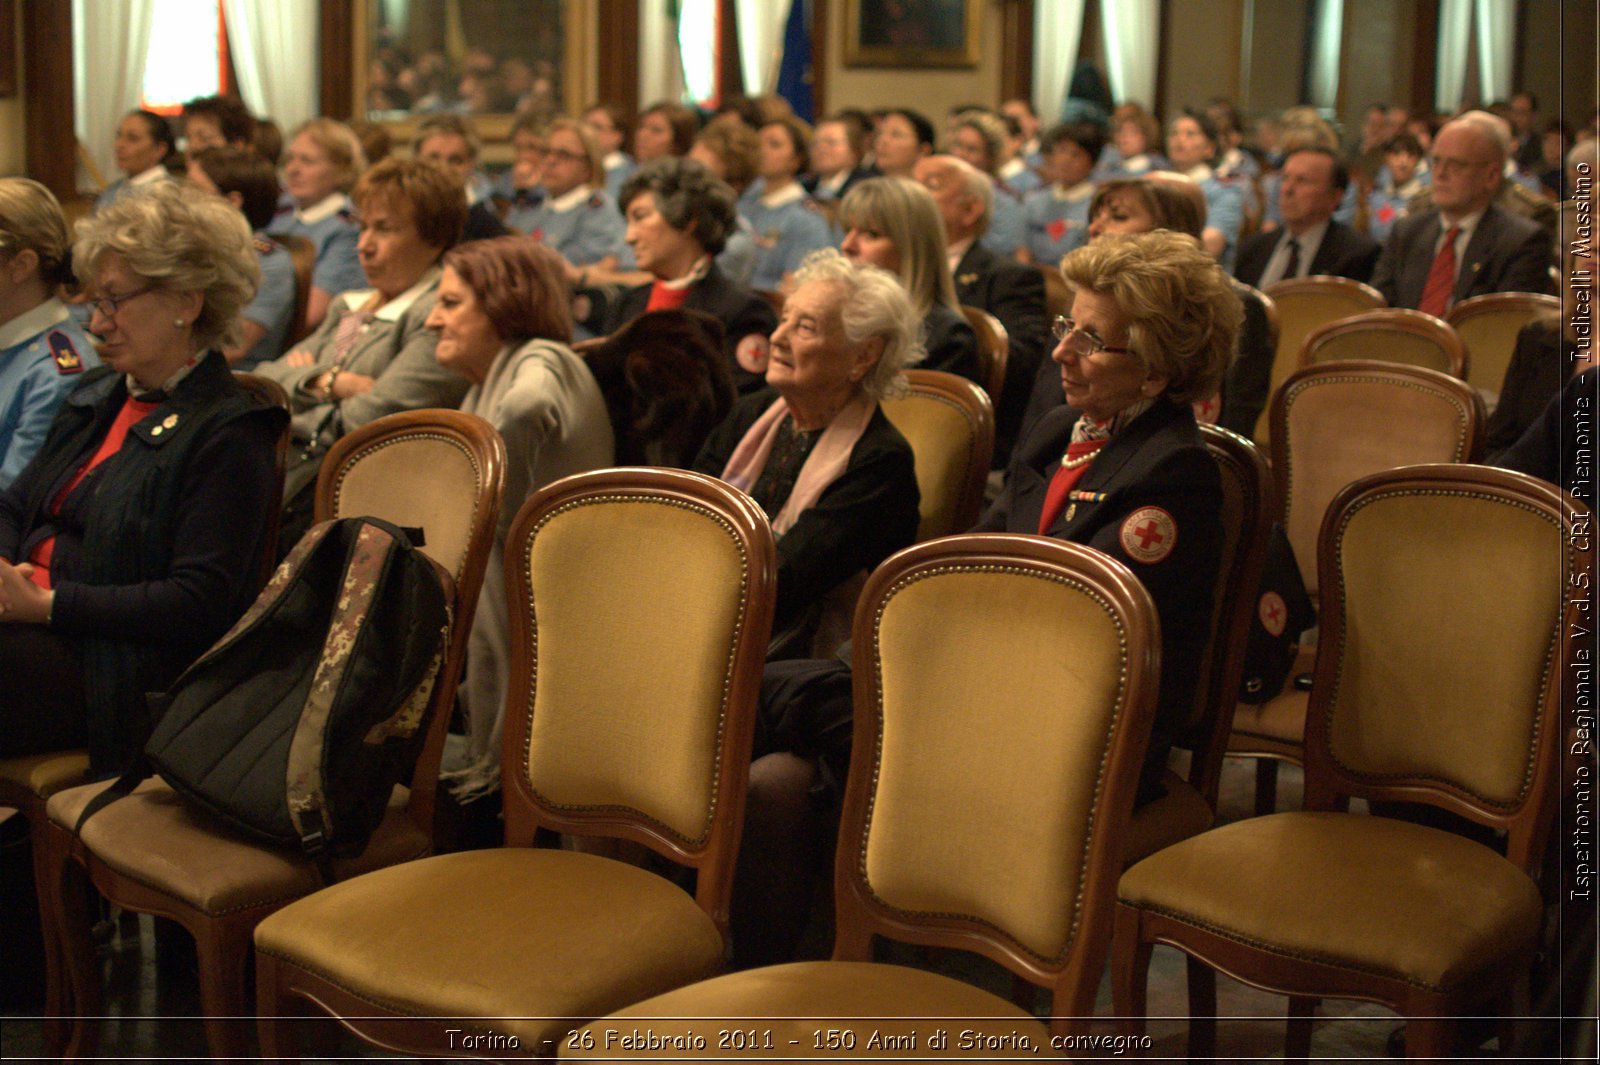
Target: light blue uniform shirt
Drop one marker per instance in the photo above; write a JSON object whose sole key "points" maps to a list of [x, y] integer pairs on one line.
{"points": [[1008, 226], [43, 355], [332, 229], [583, 225], [273, 307], [122, 186], [1058, 220], [619, 168], [1224, 211], [787, 228]]}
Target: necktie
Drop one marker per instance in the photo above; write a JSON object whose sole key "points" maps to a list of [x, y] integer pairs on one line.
{"points": [[1441, 277], [345, 334], [1292, 271]]}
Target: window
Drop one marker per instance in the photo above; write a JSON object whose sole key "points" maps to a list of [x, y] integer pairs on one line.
{"points": [[188, 55]]}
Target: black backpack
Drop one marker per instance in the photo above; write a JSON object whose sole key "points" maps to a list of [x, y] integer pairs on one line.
{"points": [[297, 724]]}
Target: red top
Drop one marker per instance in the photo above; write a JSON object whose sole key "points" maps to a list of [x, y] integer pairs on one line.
{"points": [[1055, 497], [133, 411], [663, 298]]}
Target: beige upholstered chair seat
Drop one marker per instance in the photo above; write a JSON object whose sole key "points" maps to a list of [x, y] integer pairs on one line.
{"points": [[546, 935], [1180, 813], [42, 775], [1413, 903], [158, 838], [793, 1001]]}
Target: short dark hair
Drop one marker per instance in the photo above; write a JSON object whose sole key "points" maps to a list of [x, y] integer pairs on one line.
{"points": [[237, 124], [691, 198], [1404, 142], [1341, 173], [919, 123], [1208, 128], [1090, 136], [520, 283], [684, 122], [799, 139], [252, 177]]}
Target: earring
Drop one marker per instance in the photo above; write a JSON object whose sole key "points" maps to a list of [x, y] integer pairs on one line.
{"points": [[178, 323]]}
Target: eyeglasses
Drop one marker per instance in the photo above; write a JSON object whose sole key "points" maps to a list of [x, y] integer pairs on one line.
{"points": [[1085, 344], [566, 156], [108, 306]]}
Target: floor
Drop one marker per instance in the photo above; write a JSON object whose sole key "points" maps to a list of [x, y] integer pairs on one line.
{"points": [[153, 999]]}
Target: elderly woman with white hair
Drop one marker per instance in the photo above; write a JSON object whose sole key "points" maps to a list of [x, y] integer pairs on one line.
{"points": [[813, 448], [134, 538]]}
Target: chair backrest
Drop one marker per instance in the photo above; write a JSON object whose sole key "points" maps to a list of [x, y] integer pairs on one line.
{"points": [[303, 258], [1393, 334], [1488, 327], [993, 772], [1303, 305], [1338, 422], [994, 349], [1248, 510], [641, 605], [774, 299], [1446, 633], [441, 471], [269, 391], [949, 422], [1057, 293]]}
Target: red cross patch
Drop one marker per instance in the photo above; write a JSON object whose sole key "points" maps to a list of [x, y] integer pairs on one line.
{"points": [[752, 353], [1274, 613], [1057, 229], [1386, 212], [1149, 534]]}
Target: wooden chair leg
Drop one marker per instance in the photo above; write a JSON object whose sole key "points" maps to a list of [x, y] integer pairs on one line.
{"points": [[57, 980], [1428, 1038], [1266, 786], [1297, 1040], [1202, 981], [1130, 973], [64, 909], [276, 1014], [223, 952]]}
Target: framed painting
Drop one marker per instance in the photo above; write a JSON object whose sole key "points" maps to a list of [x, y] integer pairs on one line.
{"points": [[911, 33]]}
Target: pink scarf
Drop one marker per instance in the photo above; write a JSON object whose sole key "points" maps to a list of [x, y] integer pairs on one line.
{"points": [[822, 467]]}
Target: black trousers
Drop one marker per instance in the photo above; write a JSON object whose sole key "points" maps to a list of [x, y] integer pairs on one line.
{"points": [[41, 692]]}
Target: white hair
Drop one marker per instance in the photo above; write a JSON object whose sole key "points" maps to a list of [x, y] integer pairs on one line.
{"points": [[873, 304]]}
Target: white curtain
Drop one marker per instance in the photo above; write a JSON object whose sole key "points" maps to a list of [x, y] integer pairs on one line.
{"points": [[660, 72], [761, 24], [697, 47], [275, 57], [1326, 38], [1057, 28], [1455, 32], [1133, 30], [109, 43], [1497, 31]]}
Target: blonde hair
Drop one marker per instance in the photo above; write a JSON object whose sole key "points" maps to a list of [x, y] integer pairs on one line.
{"points": [[174, 238], [342, 147], [30, 217], [1183, 314], [906, 213], [591, 147], [872, 304]]}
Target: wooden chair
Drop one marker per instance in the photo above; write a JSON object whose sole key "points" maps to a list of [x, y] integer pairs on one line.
{"points": [[1438, 682], [949, 422], [641, 605], [1333, 424], [1303, 305], [774, 299], [1249, 505], [1488, 327], [1393, 334], [152, 852], [943, 794], [994, 349], [303, 257]]}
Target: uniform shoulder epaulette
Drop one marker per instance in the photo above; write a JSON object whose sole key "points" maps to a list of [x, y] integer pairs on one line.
{"points": [[812, 206], [64, 353], [263, 245], [596, 200]]}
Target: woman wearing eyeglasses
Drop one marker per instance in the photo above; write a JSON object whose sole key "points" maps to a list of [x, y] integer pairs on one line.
{"points": [[572, 214], [134, 538]]}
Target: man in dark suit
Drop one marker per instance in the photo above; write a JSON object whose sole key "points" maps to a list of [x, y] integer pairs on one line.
{"points": [[1467, 245], [1310, 242], [1007, 289]]}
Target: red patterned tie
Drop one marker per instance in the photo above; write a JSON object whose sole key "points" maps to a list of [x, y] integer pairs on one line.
{"points": [[1441, 277]]}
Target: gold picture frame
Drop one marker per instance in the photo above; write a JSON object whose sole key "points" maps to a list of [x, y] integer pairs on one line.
{"points": [[912, 33]]}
